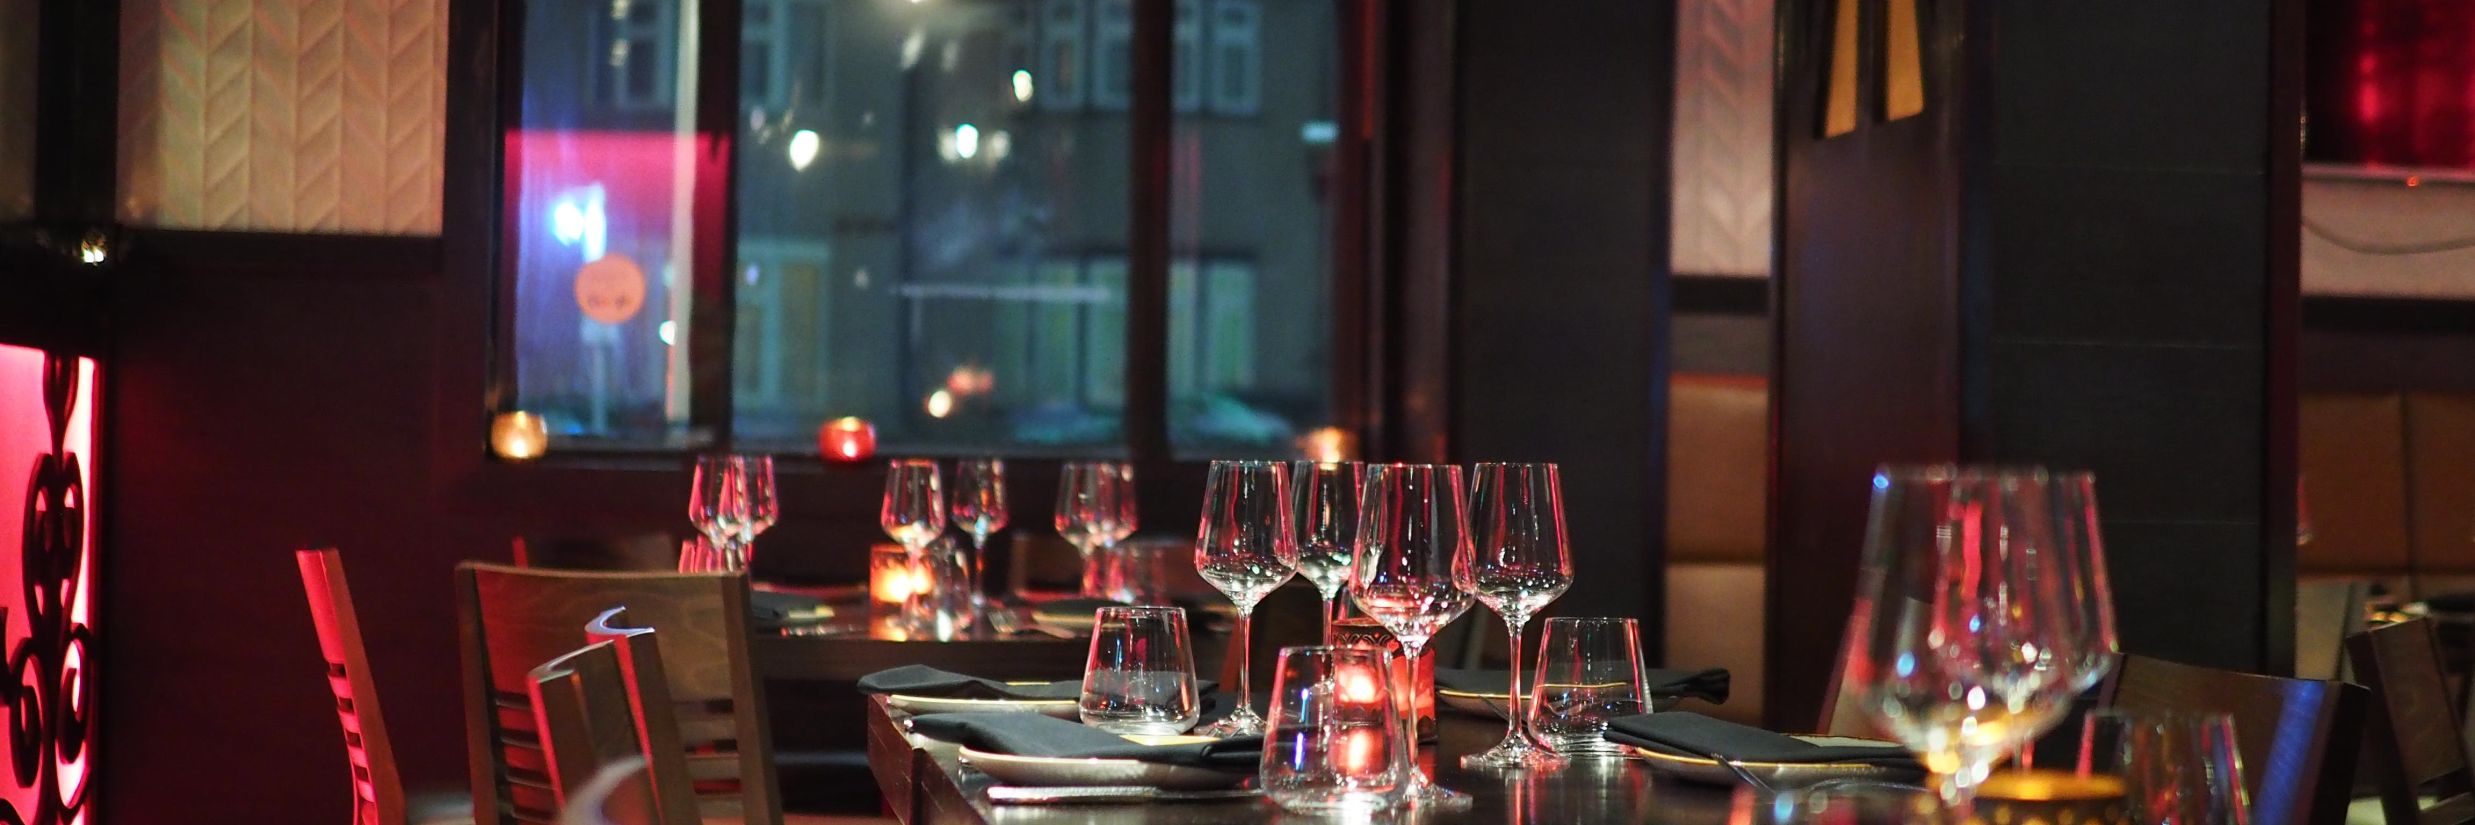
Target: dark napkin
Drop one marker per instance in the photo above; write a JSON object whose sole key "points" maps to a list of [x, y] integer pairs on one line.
{"points": [[1031, 734], [1692, 734], [1707, 685], [922, 680], [772, 609]]}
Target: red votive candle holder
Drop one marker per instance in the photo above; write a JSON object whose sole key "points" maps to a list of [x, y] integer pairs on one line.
{"points": [[847, 440], [1362, 632]]}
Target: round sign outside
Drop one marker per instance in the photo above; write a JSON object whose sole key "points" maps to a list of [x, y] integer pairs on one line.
{"points": [[611, 289]]}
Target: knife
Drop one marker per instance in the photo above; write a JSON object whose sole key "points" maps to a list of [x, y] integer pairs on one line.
{"points": [[1107, 794]]}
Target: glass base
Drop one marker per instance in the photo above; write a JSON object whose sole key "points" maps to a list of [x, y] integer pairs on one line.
{"points": [[1424, 793], [1515, 752], [1243, 722]]}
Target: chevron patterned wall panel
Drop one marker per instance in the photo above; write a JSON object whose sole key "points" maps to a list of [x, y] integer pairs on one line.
{"points": [[1722, 189], [18, 21], [283, 115]]}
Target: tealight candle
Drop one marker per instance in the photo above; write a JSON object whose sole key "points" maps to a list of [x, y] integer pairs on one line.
{"points": [[1419, 675], [891, 577], [519, 436], [849, 440]]}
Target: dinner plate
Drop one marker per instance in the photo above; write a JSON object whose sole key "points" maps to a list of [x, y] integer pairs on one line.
{"points": [[1492, 705], [1059, 771], [1707, 770], [1061, 708]]}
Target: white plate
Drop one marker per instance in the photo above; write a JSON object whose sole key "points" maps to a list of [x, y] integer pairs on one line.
{"points": [[1701, 769], [1060, 708], [1055, 771]]}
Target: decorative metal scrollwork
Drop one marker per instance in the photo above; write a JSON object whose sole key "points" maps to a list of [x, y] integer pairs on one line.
{"points": [[49, 693]]}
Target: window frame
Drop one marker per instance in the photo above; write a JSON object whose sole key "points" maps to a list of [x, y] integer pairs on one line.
{"points": [[1152, 112]]}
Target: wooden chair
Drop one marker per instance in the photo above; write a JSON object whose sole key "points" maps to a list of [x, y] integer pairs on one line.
{"points": [[2414, 745], [654, 552], [2297, 737], [619, 794], [513, 618], [591, 715], [378, 796]]}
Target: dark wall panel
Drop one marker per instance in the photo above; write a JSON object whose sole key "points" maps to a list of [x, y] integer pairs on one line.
{"points": [[1559, 332]]}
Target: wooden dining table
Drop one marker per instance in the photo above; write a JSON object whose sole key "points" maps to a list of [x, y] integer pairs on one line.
{"points": [[925, 783]]}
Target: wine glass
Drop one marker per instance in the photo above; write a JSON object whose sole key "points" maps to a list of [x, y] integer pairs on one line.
{"points": [[913, 515], [1244, 549], [1960, 622], [1323, 497], [979, 510], [1515, 563], [718, 501], [1095, 509], [763, 507], [1411, 531]]}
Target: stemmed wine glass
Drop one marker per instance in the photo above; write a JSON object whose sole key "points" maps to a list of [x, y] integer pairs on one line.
{"points": [[979, 510], [1323, 496], [718, 503], [1411, 531], [1961, 625], [1244, 549], [763, 507], [1095, 510], [913, 515], [1516, 562]]}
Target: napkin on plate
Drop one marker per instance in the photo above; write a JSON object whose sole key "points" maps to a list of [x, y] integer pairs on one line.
{"points": [[1707, 685], [1031, 734], [1692, 734], [922, 680]]}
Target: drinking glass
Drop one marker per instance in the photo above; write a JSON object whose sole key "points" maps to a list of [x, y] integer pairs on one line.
{"points": [[1323, 497], [1333, 743], [696, 555], [1140, 678], [718, 501], [2177, 769], [939, 606], [1411, 531], [979, 510], [1961, 627], [1244, 548], [2086, 593], [763, 508], [1095, 509], [1517, 563], [913, 514], [1589, 673]]}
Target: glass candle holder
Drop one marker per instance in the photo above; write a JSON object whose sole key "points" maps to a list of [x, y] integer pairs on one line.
{"points": [[891, 578], [1366, 633], [519, 436], [847, 440]]}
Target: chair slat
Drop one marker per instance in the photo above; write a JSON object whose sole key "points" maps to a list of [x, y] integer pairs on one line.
{"points": [[2414, 737]]}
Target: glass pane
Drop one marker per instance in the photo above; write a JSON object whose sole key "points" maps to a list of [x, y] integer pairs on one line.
{"points": [[932, 224], [1256, 183], [604, 170], [19, 20]]}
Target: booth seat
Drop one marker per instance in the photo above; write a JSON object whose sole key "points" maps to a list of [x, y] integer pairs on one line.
{"points": [[1718, 460]]}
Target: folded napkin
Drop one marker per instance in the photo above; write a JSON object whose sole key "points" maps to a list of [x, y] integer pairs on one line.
{"points": [[1692, 734], [1707, 685], [774, 610], [922, 680], [1031, 734], [1076, 607]]}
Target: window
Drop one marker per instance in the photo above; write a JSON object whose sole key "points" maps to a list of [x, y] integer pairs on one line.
{"points": [[929, 216]]}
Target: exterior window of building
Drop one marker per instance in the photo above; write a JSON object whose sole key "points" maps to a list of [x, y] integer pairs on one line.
{"points": [[928, 215]]}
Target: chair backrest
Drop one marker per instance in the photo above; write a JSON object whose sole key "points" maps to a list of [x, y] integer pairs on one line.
{"points": [[620, 794], [513, 618], [2296, 737], [655, 552], [588, 719], [673, 768], [2414, 730], [377, 789]]}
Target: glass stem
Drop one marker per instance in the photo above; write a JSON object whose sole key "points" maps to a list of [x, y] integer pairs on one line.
{"points": [[1330, 605], [1514, 724], [1246, 662], [979, 557], [1407, 705]]}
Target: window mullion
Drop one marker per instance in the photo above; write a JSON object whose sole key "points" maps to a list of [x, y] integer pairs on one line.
{"points": [[713, 331], [1147, 248]]}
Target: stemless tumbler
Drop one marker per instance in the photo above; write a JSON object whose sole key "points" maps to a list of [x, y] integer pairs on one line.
{"points": [[1589, 673], [1140, 678], [2177, 768], [1332, 743]]}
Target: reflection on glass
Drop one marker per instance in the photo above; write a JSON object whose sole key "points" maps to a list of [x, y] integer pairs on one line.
{"points": [[931, 225], [604, 176], [1256, 89]]}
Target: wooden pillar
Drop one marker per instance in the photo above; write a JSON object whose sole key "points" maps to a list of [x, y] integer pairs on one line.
{"points": [[2080, 252]]}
